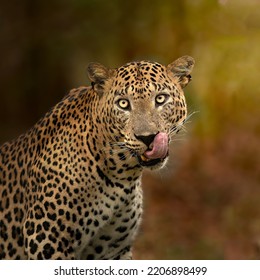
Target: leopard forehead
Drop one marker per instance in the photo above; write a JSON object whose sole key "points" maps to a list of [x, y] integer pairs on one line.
{"points": [[142, 70], [142, 76]]}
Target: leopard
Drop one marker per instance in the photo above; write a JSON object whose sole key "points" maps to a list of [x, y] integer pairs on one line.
{"points": [[70, 187]]}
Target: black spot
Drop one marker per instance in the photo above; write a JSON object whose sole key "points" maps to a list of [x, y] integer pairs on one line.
{"points": [[121, 238], [126, 220], [68, 216], [46, 205], [44, 170], [90, 257], [79, 210], [133, 215], [76, 191], [60, 248], [2, 255], [65, 241], [96, 223], [105, 237], [33, 247], [12, 252], [52, 205], [38, 228], [81, 222], [99, 249], [52, 216], [52, 238], [40, 237], [122, 156], [39, 256], [48, 251], [97, 157], [70, 250], [43, 180], [113, 245], [30, 228], [133, 225], [78, 235], [74, 218], [126, 191], [49, 194], [46, 225], [119, 185], [121, 229], [8, 216], [54, 230], [105, 217], [20, 241], [120, 171]]}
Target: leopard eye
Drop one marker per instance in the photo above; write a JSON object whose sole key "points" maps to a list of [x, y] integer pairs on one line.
{"points": [[123, 104], [161, 99]]}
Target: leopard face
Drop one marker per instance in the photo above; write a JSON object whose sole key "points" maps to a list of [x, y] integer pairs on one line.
{"points": [[145, 106]]}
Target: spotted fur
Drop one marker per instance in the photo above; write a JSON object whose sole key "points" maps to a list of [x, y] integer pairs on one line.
{"points": [[70, 186]]}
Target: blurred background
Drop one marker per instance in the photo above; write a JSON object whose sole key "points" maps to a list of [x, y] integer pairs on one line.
{"points": [[206, 203]]}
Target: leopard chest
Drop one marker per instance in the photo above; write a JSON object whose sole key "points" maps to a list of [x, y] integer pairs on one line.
{"points": [[113, 223]]}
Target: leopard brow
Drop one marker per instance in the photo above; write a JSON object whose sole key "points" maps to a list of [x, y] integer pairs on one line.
{"points": [[122, 92]]}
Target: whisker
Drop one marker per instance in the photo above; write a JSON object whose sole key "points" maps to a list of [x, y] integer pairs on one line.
{"points": [[176, 139], [115, 148], [190, 115], [181, 125]]}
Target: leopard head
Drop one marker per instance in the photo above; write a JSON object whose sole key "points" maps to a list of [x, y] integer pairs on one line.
{"points": [[142, 106]]}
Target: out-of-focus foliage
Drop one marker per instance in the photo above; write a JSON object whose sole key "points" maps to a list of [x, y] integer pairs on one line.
{"points": [[206, 203]]}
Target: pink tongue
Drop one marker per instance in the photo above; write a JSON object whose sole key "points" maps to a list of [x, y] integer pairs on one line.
{"points": [[159, 147]]}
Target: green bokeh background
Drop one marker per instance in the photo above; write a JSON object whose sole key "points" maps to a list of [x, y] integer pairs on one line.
{"points": [[206, 203]]}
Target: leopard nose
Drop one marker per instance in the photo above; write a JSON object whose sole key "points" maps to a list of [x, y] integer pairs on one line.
{"points": [[146, 139]]}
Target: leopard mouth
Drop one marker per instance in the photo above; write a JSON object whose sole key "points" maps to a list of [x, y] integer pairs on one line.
{"points": [[146, 162], [157, 152]]}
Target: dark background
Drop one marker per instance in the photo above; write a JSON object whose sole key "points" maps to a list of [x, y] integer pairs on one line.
{"points": [[206, 203]]}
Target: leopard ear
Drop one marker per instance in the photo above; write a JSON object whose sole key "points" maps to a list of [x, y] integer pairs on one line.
{"points": [[181, 68], [98, 75]]}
